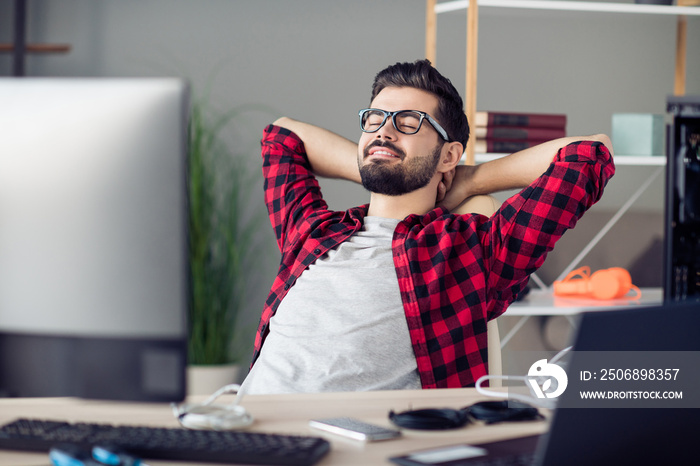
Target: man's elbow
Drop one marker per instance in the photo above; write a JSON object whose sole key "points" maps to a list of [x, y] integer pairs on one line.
{"points": [[282, 122], [605, 139]]}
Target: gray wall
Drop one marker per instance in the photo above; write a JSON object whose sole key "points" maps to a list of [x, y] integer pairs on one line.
{"points": [[315, 60]]}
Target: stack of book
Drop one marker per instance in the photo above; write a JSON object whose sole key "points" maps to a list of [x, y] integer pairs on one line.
{"points": [[511, 132]]}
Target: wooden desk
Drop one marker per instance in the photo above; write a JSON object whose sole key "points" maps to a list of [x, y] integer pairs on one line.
{"points": [[286, 414]]}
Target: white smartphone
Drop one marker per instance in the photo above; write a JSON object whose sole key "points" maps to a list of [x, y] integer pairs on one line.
{"points": [[355, 429]]}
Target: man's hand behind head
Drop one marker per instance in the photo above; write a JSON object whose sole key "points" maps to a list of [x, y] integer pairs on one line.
{"points": [[455, 187]]}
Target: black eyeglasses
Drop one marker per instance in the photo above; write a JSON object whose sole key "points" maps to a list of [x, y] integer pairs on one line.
{"points": [[405, 121]]}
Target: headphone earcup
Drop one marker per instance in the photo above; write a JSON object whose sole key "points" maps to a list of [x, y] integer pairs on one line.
{"points": [[604, 285], [624, 278]]}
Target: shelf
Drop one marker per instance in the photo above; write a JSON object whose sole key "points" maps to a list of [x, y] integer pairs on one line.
{"points": [[598, 7], [544, 303], [648, 160], [634, 160]]}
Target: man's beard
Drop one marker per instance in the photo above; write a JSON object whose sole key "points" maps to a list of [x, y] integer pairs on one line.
{"points": [[397, 178]]}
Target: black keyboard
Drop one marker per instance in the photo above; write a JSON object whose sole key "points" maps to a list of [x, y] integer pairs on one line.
{"points": [[526, 459], [236, 447]]}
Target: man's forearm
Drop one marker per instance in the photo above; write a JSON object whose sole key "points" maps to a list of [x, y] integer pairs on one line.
{"points": [[330, 155], [521, 168]]}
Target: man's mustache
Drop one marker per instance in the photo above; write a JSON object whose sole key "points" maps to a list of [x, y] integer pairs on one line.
{"points": [[388, 145]]}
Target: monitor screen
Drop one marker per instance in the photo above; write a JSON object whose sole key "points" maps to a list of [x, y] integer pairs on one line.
{"points": [[93, 238]]}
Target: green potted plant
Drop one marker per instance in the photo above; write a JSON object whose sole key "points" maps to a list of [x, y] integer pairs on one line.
{"points": [[224, 248]]}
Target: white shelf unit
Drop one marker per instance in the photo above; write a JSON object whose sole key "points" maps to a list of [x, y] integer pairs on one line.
{"points": [[541, 302], [656, 164], [433, 8]]}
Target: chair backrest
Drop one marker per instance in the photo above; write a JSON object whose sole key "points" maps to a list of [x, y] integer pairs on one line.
{"points": [[481, 204], [494, 349], [487, 205]]}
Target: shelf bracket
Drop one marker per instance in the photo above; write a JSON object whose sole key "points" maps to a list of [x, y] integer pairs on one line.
{"points": [[603, 231]]}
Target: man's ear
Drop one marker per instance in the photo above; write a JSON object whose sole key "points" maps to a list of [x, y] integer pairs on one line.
{"points": [[450, 156]]}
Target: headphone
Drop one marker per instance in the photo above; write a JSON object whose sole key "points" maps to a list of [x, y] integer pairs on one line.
{"points": [[612, 283], [431, 418], [490, 412]]}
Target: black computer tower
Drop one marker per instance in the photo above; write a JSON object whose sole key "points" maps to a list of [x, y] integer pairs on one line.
{"points": [[682, 222]]}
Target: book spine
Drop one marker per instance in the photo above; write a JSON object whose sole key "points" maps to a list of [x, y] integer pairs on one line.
{"points": [[538, 120], [518, 133], [483, 146]]}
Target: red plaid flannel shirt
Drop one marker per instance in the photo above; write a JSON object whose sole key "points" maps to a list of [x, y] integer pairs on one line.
{"points": [[455, 272]]}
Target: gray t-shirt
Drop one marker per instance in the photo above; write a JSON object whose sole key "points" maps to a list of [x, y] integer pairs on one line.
{"points": [[342, 326]]}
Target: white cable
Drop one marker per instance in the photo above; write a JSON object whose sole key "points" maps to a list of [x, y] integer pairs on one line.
{"points": [[542, 402], [560, 354], [208, 416]]}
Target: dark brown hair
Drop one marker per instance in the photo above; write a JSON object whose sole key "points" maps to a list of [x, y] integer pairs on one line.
{"points": [[422, 75]]}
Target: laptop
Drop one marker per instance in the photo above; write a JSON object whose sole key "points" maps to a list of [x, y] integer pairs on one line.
{"points": [[637, 431]]}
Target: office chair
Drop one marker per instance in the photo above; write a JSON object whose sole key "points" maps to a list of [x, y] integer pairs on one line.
{"points": [[487, 205]]}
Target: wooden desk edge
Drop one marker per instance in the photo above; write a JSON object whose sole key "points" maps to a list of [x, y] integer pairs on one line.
{"points": [[287, 414]]}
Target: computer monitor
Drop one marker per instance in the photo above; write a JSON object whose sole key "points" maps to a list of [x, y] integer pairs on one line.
{"points": [[93, 238]]}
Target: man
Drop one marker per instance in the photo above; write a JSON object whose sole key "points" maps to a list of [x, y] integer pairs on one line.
{"points": [[397, 293]]}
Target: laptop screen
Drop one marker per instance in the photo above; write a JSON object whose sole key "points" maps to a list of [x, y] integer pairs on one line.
{"points": [[628, 423]]}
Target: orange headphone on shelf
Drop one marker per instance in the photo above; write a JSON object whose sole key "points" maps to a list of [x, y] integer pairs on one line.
{"points": [[612, 283]]}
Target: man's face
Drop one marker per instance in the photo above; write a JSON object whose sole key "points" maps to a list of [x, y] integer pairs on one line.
{"points": [[394, 163]]}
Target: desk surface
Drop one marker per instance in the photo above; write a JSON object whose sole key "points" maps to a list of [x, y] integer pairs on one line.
{"points": [[286, 414]]}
